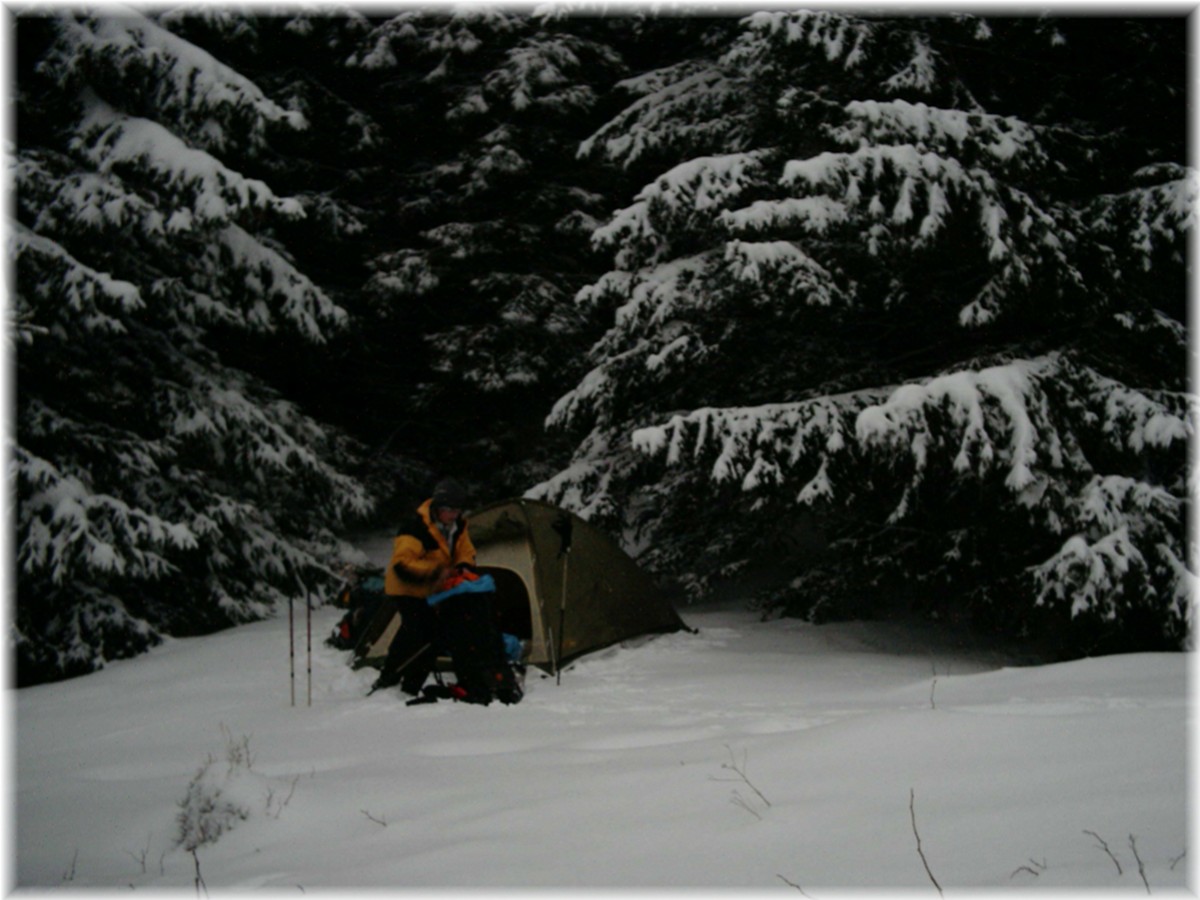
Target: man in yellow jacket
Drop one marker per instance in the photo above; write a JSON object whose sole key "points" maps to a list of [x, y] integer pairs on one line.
{"points": [[431, 547]]}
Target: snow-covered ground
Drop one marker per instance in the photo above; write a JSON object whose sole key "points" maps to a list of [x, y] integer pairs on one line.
{"points": [[772, 755]]}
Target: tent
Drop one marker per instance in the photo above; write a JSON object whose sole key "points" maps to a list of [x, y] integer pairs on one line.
{"points": [[562, 585]]}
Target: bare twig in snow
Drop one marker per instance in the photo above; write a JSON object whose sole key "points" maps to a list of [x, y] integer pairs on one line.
{"points": [[140, 857], [738, 800], [377, 821], [740, 771], [912, 809], [1034, 868], [1105, 848], [285, 801], [793, 884], [69, 874], [1141, 866], [1177, 860], [199, 878]]}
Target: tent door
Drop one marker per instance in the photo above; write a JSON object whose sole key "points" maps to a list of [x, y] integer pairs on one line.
{"points": [[512, 602]]}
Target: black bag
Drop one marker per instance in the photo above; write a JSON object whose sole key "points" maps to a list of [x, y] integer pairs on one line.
{"points": [[470, 634]]}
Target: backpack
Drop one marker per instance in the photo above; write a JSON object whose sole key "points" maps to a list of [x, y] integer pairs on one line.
{"points": [[361, 596], [481, 654]]}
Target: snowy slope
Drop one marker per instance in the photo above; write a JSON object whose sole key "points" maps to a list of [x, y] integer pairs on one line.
{"points": [[625, 775]]}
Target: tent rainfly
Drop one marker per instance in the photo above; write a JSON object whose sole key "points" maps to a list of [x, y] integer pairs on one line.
{"points": [[562, 584]]}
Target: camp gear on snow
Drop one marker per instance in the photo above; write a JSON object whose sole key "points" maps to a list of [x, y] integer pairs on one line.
{"points": [[467, 625], [432, 693], [606, 599], [514, 648], [460, 621], [361, 597]]}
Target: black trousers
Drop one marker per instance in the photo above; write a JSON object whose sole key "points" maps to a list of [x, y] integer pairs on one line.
{"points": [[413, 653]]}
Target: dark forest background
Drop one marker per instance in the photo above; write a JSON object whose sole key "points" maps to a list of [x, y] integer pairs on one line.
{"points": [[274, 272]]}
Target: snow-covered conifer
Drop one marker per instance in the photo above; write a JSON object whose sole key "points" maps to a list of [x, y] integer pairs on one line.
{"points": [[160, 490], [891, 300], [495, 216]]}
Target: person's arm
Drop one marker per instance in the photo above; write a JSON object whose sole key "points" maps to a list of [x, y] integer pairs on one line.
{"points": [[410, 562]]}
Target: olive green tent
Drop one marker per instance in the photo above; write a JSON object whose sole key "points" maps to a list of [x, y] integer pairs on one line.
{"points": [[562, 585]]}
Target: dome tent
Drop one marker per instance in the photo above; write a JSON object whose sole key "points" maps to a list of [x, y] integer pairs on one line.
{"points": [[562, 585]]}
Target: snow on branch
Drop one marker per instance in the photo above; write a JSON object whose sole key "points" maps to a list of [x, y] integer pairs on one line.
{"points": [[1136, 420], [905, 198], [203, 186], [702, 110], [967, 424], [66, 288], [680, 200], [763, 446], [270, 277], [590, 485], [82, 200], [460, 32], [1107, 503], [649, 335], [898, 186], [811, 215], [1090, 576], [217, 413], [788, 271], [839, 38], [999, 417], [184, 85], [544, 72], [69, 532], [1153, 218], [1000, 140]]}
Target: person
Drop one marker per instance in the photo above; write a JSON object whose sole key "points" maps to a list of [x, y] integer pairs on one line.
{"points": [[431, 550]]}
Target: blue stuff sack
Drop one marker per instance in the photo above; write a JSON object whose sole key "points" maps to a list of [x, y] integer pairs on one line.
{"points": [[484, 584]]}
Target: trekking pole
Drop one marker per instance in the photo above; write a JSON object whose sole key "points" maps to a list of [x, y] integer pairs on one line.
{"points": [[563, 527], [562, 613], [308, 606], [292, 646], [402, 667]]}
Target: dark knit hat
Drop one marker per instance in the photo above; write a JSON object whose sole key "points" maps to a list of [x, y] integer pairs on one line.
{"points": [[449, 493]]}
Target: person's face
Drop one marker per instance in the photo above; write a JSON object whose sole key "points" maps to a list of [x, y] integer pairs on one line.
{"points": [[447, 514]]}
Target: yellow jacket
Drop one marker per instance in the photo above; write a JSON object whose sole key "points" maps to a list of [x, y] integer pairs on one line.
{"points": [[420, 553]]}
